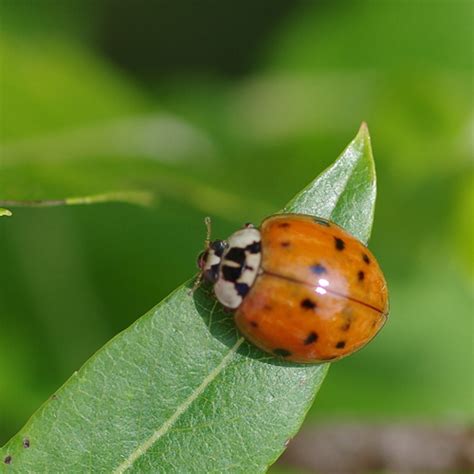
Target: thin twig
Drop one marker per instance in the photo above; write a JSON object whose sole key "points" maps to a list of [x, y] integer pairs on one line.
{"points": [[143, 198]]}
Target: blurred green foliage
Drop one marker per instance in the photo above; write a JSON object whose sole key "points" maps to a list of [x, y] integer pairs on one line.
{"points": [[235, 143]]}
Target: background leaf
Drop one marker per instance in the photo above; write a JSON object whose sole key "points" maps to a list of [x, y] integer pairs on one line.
{"points": [[81, 129], [180, 387], [300, 78]]}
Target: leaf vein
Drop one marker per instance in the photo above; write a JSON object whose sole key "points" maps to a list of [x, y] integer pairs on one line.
{"points": [[166, 426]]}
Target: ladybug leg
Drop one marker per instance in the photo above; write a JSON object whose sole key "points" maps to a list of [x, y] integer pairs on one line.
{"points": [[207, 243], [196, 285]]}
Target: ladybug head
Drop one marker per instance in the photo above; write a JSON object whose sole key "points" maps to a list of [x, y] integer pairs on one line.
{"points": [[209, 260]]}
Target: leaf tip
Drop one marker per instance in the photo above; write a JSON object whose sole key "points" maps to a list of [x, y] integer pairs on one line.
{"points": [[364, 128], [363, 137], [363, 142]]}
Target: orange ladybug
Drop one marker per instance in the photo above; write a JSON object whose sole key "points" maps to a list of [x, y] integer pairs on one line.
{"points": [[301, 287]]}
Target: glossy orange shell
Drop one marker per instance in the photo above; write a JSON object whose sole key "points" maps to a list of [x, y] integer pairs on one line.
{"points": [[320, 296]]}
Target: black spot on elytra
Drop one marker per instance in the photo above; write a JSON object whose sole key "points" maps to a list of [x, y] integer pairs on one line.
{"points": [[312, 337], [254, 247], [361, 275], [254, 324], [7, 459], [242, 289], [308, 304], [346, 326], [321, 221], [284, 224], [339, 243], [341, 345], [365, 258], [285, 243], [236, 254], [26, 443], [318, 269], [281, 352]]}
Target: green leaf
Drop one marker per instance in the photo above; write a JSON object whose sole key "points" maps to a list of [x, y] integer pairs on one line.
{"points": [[180, 390]]}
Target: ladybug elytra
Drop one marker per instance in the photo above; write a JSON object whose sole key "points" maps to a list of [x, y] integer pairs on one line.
{"points": [[300, 287]]}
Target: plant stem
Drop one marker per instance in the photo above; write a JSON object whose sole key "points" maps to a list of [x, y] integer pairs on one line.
{"points": [[143, 198]]}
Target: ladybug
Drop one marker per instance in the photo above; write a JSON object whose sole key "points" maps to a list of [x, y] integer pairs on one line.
{"points": [[300, 287]]}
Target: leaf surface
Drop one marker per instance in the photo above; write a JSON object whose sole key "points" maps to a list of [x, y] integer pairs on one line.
{"points": [[180, 390]]}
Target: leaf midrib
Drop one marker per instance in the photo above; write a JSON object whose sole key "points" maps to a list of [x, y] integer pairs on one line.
{"points": [[147, 444]]}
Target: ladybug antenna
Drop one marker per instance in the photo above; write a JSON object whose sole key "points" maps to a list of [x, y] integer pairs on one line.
{"points": [[207, 243]]}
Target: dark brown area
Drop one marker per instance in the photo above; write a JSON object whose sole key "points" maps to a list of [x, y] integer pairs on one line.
{"points": [[8, 459], [341, 345], [26, 443], [366, 258], [399, 448]]}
